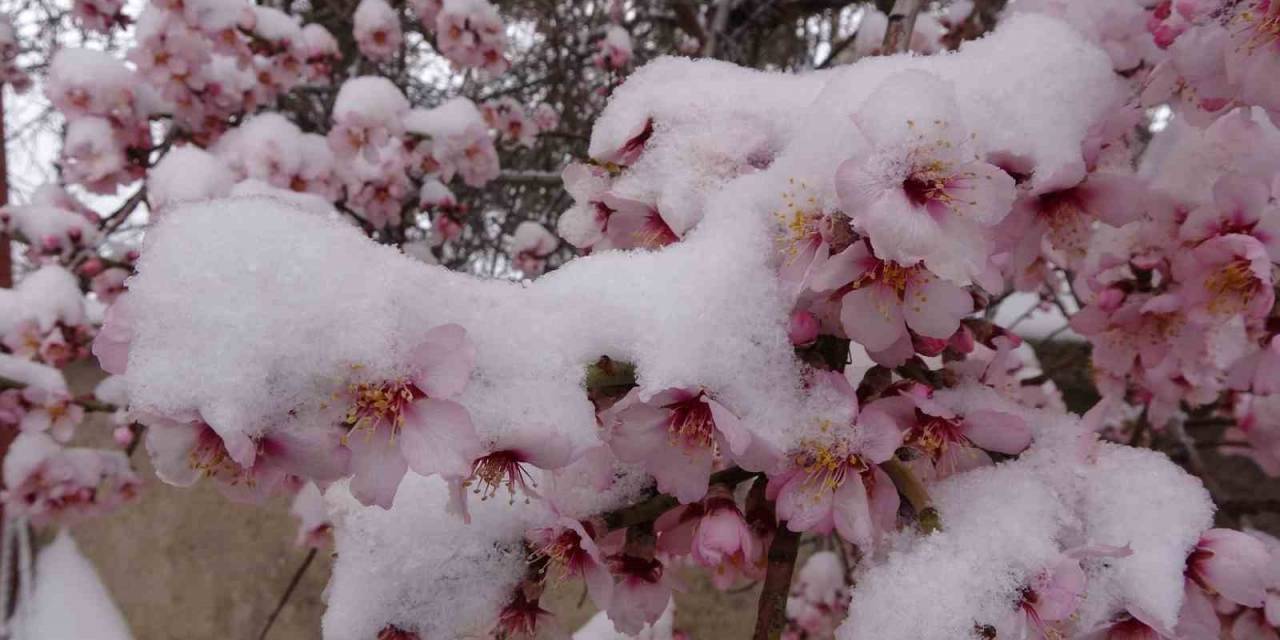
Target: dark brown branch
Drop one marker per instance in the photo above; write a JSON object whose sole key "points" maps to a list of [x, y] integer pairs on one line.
{"points": [[288, 592], [771, 612]]}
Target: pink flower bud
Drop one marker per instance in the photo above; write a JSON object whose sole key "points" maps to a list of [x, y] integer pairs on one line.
{"points": [[1110, 299], [927, 346], [91, 267], [962, 340], [123, 435], [803, 329]]}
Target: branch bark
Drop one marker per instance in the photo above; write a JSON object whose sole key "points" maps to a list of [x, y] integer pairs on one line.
{"points": [[914, 491], [902, 23], [771, 612]]}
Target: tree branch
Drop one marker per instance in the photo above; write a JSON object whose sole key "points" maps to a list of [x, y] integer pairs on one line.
{"points": [[288, 592], [771, 612], [914, 491], [902, 23]]}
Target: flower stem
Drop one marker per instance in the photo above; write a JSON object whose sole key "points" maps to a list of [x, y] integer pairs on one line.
{"points": [[771, 613], [913, 490]]}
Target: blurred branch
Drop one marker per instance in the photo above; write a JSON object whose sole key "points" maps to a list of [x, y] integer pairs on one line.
{"points": [[902, 23], [771, 612], [547, 178]]}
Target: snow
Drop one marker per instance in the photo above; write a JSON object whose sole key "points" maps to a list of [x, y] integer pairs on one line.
{"points": [[451, 118], [257, 283], [416, 568], [187, 173], [69, 600], [373, 98], [32, 374], [35, 222], [1002, 525], [47, 296]]}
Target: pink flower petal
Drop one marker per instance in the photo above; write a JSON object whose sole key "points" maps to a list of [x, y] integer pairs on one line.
{"points": [[872, 316], [997, 431], [438, 438], [446, 358], [933, 307]]}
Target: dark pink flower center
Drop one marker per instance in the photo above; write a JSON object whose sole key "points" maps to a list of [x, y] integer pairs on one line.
{"points": [[500, 469], [691, 424]]}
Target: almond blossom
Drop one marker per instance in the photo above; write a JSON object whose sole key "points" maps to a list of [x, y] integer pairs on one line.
{"points": [[677, 434], [377, 29], [411, 422], [832, 481], [920, 194]]}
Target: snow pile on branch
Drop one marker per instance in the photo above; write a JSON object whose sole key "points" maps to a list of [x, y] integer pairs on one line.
{"points": [[304, 327], [471, 568]]}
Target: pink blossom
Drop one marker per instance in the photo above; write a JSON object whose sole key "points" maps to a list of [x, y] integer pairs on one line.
{"points": [[1240, 206], [1259, 371], [950, 441], [111, 346], [50, 411], [1230, 563], [470, 34], [919, 194], [1065, 217], [524, 618], [376, 28], [615, 49], [572, 552], [884, 299], [411, 422], [1224, 276], [833, 481], [819, 598], [803, 328], [724, 543], [314, 526], [50, 484], [1253, 56], [641, 592], [1258, 427], [1054, 594], [506, 465], [392, 632], [426, 12], [675, 434], [24, 339], [109, 284], [545, 116], [532, 244], [99, 15], [247, 468]]}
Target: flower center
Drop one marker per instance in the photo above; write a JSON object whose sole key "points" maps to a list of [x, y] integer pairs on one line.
{"points": [[500, 469], [380, 404], [827, 466], [932, 435], [1232, 286], [691, 423]]}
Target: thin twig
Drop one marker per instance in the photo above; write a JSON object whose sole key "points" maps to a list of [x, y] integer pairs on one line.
{"points": [[288, 592]]}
